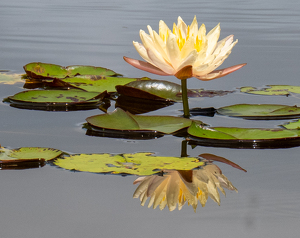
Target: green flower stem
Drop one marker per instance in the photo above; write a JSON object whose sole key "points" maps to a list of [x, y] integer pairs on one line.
{"points": [[185, 102]]}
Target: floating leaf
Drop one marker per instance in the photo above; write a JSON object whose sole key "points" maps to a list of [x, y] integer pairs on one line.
{"points": [[151, 89], [7, 78], [99, 84], [242, 134], [272, 90], [55, 96], [26, 154], [260, 111], [121, 120], [292, 125], [138, 163], [40, 70]]}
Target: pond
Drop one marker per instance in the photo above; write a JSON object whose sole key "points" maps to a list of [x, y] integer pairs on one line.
{"points": [[54, 202]]}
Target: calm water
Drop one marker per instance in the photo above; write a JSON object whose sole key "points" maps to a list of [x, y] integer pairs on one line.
{"points": [[52, 202]]}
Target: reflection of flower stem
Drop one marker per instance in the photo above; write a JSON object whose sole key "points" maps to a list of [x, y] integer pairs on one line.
{"points": [[185, 101], [184, 148]]}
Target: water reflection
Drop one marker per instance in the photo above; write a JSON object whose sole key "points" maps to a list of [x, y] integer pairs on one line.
{"points": [[177, 187]]}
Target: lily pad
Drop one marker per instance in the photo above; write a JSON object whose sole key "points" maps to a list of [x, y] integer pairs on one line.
{"points": [[26, 154], [99, 84], [260, 111], [151, 89], [8, 78], [138, 163], [292, 125], [121, 120], [272, 90], [241, 134], [72, 96], [38, 70]]}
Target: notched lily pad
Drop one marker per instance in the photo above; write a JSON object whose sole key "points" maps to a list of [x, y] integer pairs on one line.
{"points": [[260, 111], [284, 90], [121, 120], [244, 137], [38, 70], [138, 163], [27, 154]]}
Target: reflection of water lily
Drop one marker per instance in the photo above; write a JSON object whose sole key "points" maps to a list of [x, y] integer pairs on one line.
{"points": [[177, 187], [184, 52]]}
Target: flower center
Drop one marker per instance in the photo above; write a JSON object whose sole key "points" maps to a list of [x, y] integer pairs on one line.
{"points": [[182, 38]]}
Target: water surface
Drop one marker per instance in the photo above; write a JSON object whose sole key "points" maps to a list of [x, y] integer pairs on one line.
{"points": [[52, 202]]}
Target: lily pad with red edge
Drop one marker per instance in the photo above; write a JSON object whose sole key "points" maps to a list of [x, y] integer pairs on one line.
{"points": [[143, 163], [244, 137], [260, 111], [121, 120], [27, 154], [38, 70]]}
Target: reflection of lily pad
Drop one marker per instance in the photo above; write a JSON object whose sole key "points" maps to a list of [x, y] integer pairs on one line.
{"points": [[260, 111], [26, 154], [55, 96], [272, 90], [241, 134], [139, 163], [40, 70], [121, 120]]}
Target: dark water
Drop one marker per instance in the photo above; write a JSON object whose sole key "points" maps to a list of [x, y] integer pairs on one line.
{"points": [[52, 202]]}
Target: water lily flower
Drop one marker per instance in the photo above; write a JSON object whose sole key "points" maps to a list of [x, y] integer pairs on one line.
{"points": [[184, 52]]}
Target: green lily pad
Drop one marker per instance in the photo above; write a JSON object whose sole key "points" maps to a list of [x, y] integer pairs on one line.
{"points": [[40, 70], [272, 90], [260, 111], [25, 154], [72, 96], [99, 84], [138, 163], [151, 89], [7, 78], [241, 134], [292, 125], [121, 120]]}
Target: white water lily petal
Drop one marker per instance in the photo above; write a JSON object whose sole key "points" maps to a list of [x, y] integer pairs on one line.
{"points": [[163, 30], [142, 51], [161, 46], [189, 60], [173, 51], [160, 63], [194, 27]]}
